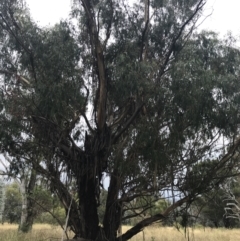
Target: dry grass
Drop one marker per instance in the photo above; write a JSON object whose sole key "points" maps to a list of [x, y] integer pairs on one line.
{"points": [[200, 234], [40, 232], [44, 232]]}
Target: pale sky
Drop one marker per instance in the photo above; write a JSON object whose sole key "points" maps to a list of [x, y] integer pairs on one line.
{"points": [[225, 14], [47, 12]]}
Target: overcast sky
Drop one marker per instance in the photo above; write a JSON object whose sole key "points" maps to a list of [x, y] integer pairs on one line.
{"points": [[225, 14]]}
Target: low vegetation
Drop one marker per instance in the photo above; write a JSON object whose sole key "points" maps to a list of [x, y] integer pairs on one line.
{"points": [[44, 232]]}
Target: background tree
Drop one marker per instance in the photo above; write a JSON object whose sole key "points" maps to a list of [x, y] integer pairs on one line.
{"points": [[35, 195], [2, 198], [130, 93], [26, 179], [46, 208], [13, 204]]}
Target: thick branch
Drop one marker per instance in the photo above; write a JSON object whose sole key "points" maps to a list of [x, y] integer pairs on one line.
{"points": [[147, 221], [99, 64]]}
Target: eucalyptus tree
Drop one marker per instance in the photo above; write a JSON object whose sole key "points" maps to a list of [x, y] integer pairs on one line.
{"points": [[124, 92]]}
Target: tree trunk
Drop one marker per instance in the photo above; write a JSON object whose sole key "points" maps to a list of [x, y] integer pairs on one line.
{"points": [[28, 214], [88, 172], [88, 208], [112, 217]]}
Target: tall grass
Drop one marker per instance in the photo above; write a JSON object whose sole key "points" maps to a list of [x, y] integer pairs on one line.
{"points": [[44, 232]]}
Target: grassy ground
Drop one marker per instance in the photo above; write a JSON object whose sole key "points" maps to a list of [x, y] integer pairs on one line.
{"points": [[43, 232]]}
